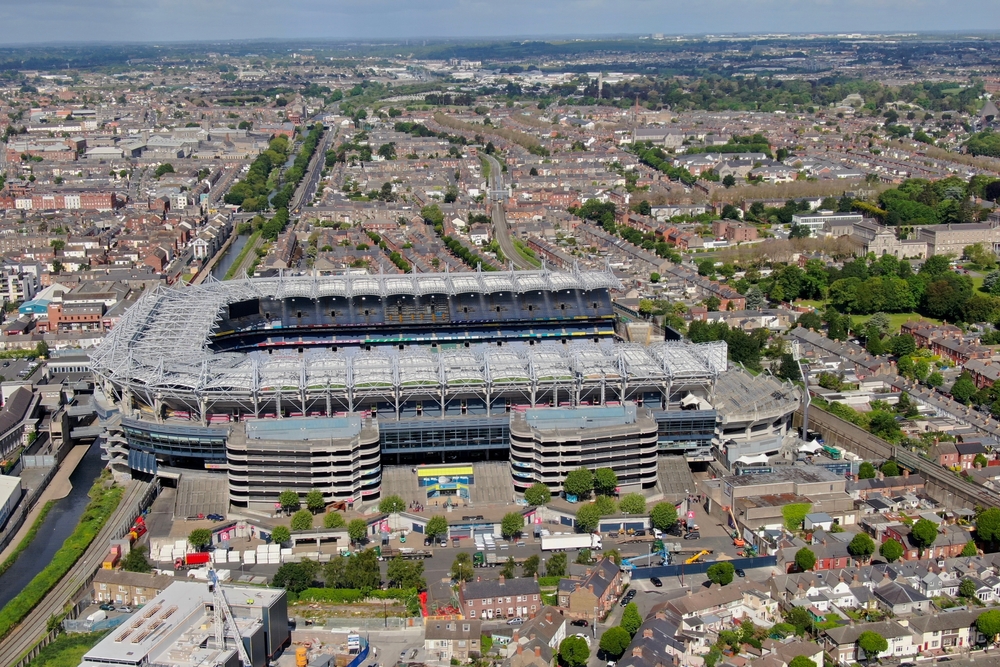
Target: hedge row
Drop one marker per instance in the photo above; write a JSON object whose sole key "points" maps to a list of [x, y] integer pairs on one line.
{"points": [[353, 595], [103, 503]]}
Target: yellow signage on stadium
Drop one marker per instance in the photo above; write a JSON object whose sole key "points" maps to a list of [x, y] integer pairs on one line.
{"points": [[444, 472]]}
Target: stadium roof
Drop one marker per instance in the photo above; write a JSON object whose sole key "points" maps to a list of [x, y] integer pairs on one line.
{"points": [[160, 347]]}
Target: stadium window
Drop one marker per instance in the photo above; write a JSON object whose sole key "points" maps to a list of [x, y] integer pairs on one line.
{"points": [[333, 313], [530, 308], [466, 344], [465, 309], [299, 314], [562, 306]]}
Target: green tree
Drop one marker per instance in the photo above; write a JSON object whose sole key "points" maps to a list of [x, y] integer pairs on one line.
{"points": [[135, 560], [891, 550], [861, 546], [605, 482], [579, 483], [800, 618], [529, 567], [633, 503], [890, 469], [802, 661], [406, 574], [967, 589], [357, 530], [902, 345], [964, 388], [200, 538], [281, 535], [980, 461], [614, 641], [721, 573], [663, 516], [988, 526], [606, 505], [584, 556], [969, 550], [437, 526], [988, 623], [537, 494], [511, 525], [302, 520], [165, 168], [556, 565], [292, 577], [805, 559], [866, 471], [587, 518], [315, 501], [461, 567], [789, 368], [631, 619], [289, 501], [872, 643], [728, 181], [332, 520], [362, 571], [391, 505], [924, 532], [508, 571], [573, 652]]}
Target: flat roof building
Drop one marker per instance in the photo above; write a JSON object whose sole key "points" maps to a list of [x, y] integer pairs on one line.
{"points": [[177, 628]]}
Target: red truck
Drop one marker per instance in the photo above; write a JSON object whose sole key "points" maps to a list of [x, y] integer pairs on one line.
{"points": [[191, 560], [138, 529]]}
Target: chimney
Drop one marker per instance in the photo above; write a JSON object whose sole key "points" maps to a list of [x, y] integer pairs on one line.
{"points": [[689, 592], [647, 633], [502, 580], [637, 652], [590, 587], [516, 636], [906, 473], [548, 616], [856, 478], [520, 649], [479, 578], [538, 651]]}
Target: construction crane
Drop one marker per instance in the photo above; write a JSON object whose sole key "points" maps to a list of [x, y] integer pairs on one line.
{"points": [[224, 620], [737, 540], [694, 558]]}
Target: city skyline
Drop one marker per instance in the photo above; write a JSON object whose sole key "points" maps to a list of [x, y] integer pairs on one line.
{"points": [[189, 20]]}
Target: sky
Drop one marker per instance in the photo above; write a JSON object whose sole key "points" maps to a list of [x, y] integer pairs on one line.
{"points": [[40, 21]]}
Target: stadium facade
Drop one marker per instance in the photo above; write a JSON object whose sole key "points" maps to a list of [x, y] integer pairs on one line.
{"points": [[317, 382]]}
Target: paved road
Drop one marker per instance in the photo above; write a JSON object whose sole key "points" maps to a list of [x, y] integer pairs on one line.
{"points": [[32, 628], [501, 229], [304, 193]]}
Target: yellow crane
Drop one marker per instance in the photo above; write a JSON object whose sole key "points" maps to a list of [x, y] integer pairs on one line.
{"points": [[694, 558]]}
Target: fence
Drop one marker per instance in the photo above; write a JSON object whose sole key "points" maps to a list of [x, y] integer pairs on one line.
{"points": [[83, 625], [372, 624], [701, 567], [38, 460]]}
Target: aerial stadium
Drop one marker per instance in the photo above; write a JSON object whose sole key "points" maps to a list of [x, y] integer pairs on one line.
{"points": [[323, 381]]}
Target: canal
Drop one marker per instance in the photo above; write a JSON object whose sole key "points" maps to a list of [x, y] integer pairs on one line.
{"points": [[58, 525], [222, 266]]}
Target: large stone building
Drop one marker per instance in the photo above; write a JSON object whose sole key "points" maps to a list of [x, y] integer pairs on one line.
{"points": [[951, 239]]}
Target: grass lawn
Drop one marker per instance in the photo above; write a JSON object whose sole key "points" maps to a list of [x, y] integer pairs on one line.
{"points": [[897, 319], [977, 282], [818, 305], [67, 650]]}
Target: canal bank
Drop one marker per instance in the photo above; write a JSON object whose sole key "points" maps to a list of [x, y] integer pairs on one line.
{"points": [[69, 488], [222, 266]]}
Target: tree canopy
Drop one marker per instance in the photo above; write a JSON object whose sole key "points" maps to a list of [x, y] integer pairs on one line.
{"points": [[573, 652], [537, 494], [805, 559], [579, 483], [891, 550], [721, 573]]}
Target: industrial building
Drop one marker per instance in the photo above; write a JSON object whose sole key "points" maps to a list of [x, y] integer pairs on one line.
{"points": [[320, 381], [181, 627]]}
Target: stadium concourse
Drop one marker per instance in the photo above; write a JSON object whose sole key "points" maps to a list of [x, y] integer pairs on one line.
{"points": [[322, 381]]}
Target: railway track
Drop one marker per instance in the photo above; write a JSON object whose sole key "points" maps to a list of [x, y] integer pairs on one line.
{"points": [[34, 626]]}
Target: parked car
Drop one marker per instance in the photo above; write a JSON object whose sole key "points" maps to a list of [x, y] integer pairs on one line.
{"points": [[515, 621], [107, 607], [741, 573], [580, 623], [125, 610], [215, 517], [428, 542], [692, 535], [675, 530], [656, 582]]}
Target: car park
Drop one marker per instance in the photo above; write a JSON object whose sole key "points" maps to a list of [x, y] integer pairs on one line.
{"points": [[580, 623], [656, 582]]}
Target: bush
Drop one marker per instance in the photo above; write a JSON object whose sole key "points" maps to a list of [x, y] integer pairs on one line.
{"points": [[281, 535], [663, 516], [721, 573], [103, 503], [537, 494], [794, 514], [333, 520], [391, 505]]}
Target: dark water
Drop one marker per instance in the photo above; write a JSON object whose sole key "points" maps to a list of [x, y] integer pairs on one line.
{"points": [[222, 266], [59, 524]]}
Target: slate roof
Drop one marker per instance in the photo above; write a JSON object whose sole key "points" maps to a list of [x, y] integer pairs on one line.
{"points": [[491, 588]]}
